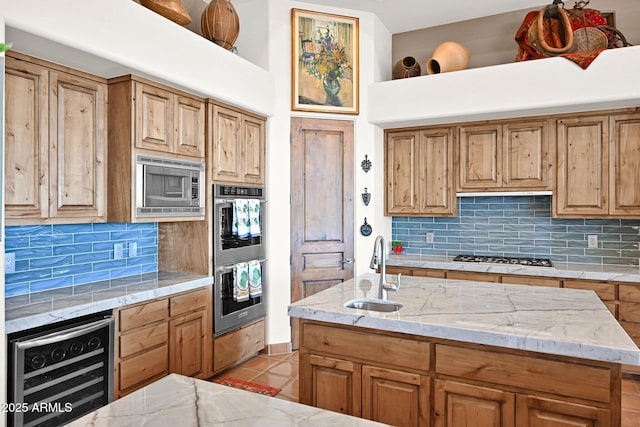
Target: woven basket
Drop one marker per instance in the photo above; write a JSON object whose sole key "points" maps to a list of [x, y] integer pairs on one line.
{"points": [[589, 39]]}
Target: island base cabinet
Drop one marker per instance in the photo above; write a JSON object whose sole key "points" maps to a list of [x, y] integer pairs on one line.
{"points": [[464, 405], [395, 397], [534, 411], [331, 384]]}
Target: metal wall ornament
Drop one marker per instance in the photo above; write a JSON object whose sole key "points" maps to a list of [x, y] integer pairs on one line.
{"points": [[366, 197], [365, 229], [366, 164]]}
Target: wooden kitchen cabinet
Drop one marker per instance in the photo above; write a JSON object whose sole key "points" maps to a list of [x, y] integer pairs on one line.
{"points": [[419, 172], [532, 411], [55, 143], [509, 156], [624, 165], [237, 145], [163, 336], [336, 384], [238, 345]]}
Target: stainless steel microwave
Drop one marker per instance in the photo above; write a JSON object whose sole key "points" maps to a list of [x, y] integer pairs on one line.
{"points": [[167, 187]]}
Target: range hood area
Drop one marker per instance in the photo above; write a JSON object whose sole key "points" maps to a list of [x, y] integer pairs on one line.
{"points": [[519, 89]]}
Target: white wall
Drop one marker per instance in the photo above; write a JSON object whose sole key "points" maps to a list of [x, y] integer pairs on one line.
{"points": [[375, 59]]}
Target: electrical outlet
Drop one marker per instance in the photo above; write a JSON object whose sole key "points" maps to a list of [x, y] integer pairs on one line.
{"points": [[133, 249], [592, 241], [430, 237], [118, 251], [10, 262]]}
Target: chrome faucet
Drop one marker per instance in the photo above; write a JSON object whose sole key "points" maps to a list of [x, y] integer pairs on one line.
{"points": [[379, 260]]}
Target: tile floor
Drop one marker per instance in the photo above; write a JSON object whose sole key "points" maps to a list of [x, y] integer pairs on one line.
{"points": [[281, 370]]}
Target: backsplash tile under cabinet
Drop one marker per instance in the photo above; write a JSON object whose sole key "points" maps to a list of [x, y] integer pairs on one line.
{"points": [[56, 256], [520, 226]]}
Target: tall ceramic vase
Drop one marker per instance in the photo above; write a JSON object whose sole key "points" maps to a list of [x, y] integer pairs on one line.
{"points": [[220, 23], [170, 9], [449, 56], [406, 67]]}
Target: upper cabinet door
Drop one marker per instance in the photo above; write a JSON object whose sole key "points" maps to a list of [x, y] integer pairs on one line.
{"points": [[189, 127], [583, 167], [78, 135], [26, 177], [401, 177], [526, 156], [480, 157], [226, 150], [624, 178], [435, 167], [253, 131], [154, 118]]}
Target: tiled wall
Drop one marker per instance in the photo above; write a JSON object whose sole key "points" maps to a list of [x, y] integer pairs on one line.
{"points": [[519, 226], [56, 256]]}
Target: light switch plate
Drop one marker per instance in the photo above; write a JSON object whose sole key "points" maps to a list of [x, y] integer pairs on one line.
{"points": [[430, 237], [592, 241], [10, 262], [118, 251], [133, 249]]}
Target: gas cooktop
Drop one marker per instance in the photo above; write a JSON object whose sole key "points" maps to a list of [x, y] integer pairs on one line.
{"points": [[533, 262]]}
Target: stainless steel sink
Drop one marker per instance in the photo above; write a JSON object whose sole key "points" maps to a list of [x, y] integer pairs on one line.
{"points": [[373, 305]]}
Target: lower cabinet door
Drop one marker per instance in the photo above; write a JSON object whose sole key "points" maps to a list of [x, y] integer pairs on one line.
{"points": [[331, 384], [539, 412], [394, 397], [464, 405], [188, 354]]}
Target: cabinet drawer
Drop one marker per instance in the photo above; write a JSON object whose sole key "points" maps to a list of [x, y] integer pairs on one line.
{"points": [[633, 330], [531, 281], [389, 350], [237, 345], [143, 314], [606, 291], [188, 302], [525, 372], [470, 275], [629, 293], [141, 368], [629, 312], [143, 339], [438, 274]]}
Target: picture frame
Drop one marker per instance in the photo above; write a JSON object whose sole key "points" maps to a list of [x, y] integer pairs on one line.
{"points": [[324, 62]]}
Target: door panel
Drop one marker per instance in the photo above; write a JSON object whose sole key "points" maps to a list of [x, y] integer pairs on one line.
{"points": [[526, 161], [226, 161], [154, 118], [625, 165], [480, 154], [321, 206], [401, 178], [436, 163], [539, 412]]}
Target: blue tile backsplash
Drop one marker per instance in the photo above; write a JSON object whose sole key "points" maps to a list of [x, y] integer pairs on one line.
{"points": [[56, 256], [519, 226]]}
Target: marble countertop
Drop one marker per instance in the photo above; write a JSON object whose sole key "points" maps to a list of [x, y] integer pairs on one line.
{"points": [[616, 273], [567, 322], [29, 311], [176, 400]]}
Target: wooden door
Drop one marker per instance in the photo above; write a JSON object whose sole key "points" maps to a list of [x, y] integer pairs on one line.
{"points": [[534, 411], [583, 167], [189, 135], [394, 397], [253, 135], [401, 175], [154, 118], [322, 225], [624, 155], [464, 405], [226, 148], [78, 153], [435, 167], [187, 337], [526, 156], [26, 179], [480, 154], [332, 384]]}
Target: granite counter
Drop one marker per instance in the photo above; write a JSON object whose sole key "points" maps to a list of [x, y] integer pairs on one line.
{"points": [[37, 309], [566, 322], [176, 400]]}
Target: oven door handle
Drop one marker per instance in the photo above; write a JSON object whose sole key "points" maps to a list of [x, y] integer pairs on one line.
{"points": [[224, 201], [230, 267], [67, 334]]}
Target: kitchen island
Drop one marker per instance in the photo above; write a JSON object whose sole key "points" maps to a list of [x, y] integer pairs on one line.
{"points": [[177, 400], [463, 353]]}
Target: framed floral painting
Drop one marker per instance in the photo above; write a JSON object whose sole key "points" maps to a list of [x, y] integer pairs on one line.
{"points": [[324, 62]]}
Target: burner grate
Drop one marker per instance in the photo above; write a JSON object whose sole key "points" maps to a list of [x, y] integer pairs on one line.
{"points": [[533, 262]]}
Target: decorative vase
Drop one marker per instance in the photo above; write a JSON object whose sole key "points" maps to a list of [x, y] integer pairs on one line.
{"points": [[332, 88], [449, 56], [220, 23], [406, 67], [170, 9], [397, 249]]}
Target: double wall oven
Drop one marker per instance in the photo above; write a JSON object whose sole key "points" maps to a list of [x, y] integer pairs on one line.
{"points": [[235, 245]]}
